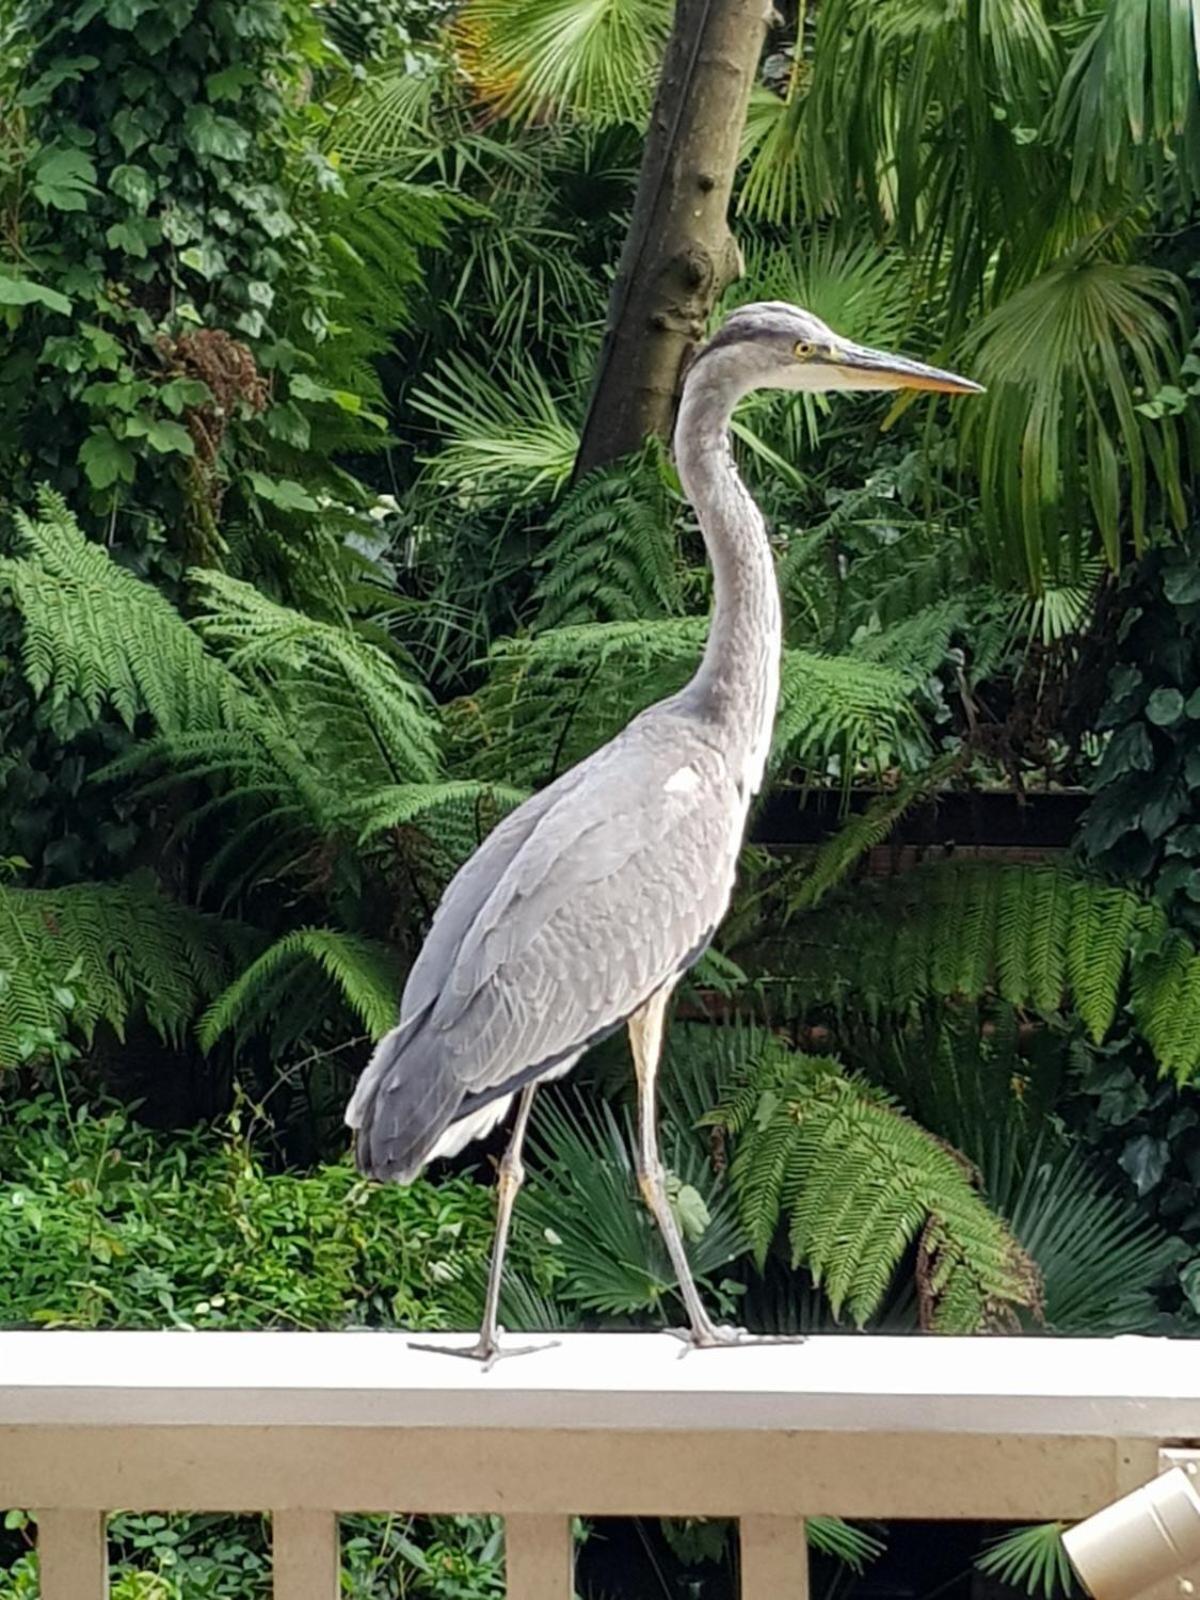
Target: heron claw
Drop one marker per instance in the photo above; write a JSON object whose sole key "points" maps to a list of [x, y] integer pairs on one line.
{"points": [[486, 1351], [722, 1336]]}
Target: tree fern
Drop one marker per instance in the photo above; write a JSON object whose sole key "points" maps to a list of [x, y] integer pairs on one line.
{"points": [[365, 974], [613, 553], [74, 957], [838, 714], [554, 697], [1039, 936], [95, 634], [858, 1183], [838, 856], [345, 700]]}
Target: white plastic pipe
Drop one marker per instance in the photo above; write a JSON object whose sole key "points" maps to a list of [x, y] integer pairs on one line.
{"points": [[1140, 1540]]}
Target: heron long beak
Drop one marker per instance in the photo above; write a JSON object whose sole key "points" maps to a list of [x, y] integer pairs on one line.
{"points": [[875, 369]]}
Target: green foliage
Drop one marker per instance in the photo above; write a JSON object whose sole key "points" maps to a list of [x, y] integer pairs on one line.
{"points": [[1100, 1261], [1063, 360], [1140, 826], [74, 957], [365, 974], [105, 1224], [859, 1184], [504, 433], [606, 1255], [1033, 1559], [1034, 935], [561, 58], [613, 554], [94, 636]]}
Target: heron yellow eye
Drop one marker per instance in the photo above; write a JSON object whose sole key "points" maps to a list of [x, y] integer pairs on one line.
{"points": [[802, 349]]}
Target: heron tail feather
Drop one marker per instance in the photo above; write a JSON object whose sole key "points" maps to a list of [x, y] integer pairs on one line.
{"points": [[404, 1101]]}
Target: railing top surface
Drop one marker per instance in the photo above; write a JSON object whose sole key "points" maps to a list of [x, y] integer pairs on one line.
{"points": [[1122, 1388]]}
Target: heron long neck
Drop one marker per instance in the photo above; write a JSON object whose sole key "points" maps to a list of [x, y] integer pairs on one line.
{"points": [[737, 684]]}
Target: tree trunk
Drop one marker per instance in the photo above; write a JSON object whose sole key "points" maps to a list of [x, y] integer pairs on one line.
{"points": [[679, 254]]}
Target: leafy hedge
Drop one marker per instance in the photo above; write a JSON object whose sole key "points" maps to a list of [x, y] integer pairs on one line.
{"points": [[106, 1224]]}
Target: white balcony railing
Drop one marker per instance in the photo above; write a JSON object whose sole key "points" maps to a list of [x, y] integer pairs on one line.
{"points": [[306, 1426]]}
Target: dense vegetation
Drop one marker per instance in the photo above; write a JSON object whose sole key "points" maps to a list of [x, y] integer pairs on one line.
{"points": [[299, 593]]}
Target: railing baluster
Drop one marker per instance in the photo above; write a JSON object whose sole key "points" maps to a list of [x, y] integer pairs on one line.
{"points": [[774, 1558], [540, 1558], [72, 1555], [305, 1555]]}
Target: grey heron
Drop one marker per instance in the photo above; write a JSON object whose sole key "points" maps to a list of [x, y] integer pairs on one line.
{"points": [[581, 911]]}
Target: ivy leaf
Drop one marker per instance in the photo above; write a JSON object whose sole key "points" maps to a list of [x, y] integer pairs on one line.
{"points": [[134, 236], [22, 292], [180, 393], [165, 437], [210, 134], [228, 84], [1181, 585], [63, 180], [1164, 707], [205, 258], [63, 69], [282, 492], [1145, 1160], [106, 460], [306, 388], [289, 424], [133, 184], [126, 14]]}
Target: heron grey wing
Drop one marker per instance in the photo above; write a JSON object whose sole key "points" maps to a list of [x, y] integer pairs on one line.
{"points": [[469, 890], [573, 965], [633, 791]]}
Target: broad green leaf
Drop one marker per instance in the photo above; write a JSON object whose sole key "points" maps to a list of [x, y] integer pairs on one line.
{"points": [[106, 460], [133, 184], [21, 292], [63, 179], [282, 492]]}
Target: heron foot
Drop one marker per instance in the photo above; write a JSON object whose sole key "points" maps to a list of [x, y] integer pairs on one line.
{"points": [[722, 1336], [486, 1350]]}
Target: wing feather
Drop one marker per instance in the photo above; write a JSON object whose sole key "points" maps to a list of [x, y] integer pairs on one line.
{"points": [[608, 893]]}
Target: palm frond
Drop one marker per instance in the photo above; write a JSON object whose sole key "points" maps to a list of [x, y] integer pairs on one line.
{"points": [[1033, 1559], [591, 60], [583, 1196], [503, 434], [1129, 105], [1062, 360]]}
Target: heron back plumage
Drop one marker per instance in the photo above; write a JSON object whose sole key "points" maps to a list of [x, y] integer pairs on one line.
{"points": [[581, 905]]}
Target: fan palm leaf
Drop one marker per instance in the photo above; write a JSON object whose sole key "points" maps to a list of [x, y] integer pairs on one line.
{"points": [[1063, 360], [589, 60]]}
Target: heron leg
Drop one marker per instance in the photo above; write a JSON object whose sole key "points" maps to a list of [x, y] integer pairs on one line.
{"points": [[486, 1348], [645, 1037]]}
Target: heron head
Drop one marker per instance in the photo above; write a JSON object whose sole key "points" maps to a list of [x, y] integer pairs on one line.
{"points": [[773, 345]]}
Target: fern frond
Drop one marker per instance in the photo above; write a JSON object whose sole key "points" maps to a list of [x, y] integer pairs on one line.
{"points": [[614, 550], [839, 714], [838, 856], [857, 1182], [365, 974], [1040, 936], [98, 952], [345, 699], [95, 635]]}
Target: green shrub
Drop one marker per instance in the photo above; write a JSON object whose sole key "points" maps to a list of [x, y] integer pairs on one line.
{"points": [[106, 1224]]}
